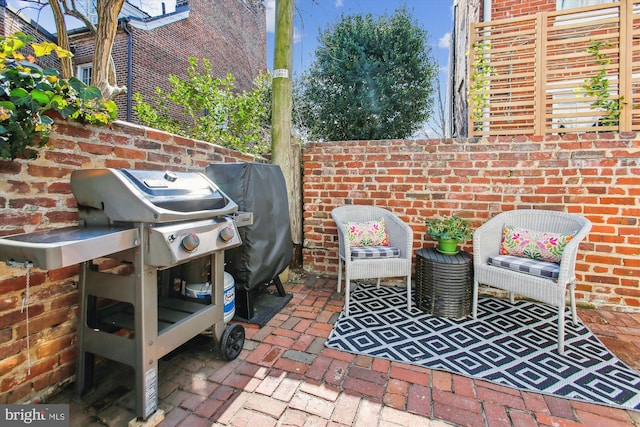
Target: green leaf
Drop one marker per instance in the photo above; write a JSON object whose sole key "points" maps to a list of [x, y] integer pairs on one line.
{"points": [[50, 72], [77, 84], [40, 96], [19, 93], [46, 120], [57, 101], [67, 111], [91, 92], [8, 105], [44, 86]]}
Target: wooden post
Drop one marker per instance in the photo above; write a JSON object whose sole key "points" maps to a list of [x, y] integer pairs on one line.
{"points": [[281, 151], [540, 76], [625, 70]]}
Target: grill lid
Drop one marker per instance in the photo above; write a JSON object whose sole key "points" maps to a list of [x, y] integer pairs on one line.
{"points": [[148, 195]]}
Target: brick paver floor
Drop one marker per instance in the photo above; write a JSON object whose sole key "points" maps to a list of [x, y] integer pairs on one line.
{"points": [[286, 377]]}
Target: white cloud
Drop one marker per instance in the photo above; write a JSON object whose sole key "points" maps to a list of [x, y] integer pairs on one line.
{"points": [[339, 3], [445, 41], [297, 35]]}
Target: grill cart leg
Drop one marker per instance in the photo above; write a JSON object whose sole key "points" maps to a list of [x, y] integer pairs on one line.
{"points": [[146, 333], [85, 360]]}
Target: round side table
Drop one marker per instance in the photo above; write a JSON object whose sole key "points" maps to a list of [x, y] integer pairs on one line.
{"points": [[444, 283]]}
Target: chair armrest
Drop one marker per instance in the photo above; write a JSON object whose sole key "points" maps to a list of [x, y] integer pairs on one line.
{"points": [[486, 240], [344, 245], [400, 235], [569, 255]]}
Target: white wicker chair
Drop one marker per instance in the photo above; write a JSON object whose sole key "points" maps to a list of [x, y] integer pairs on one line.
{"points": [[400, 236], [486, 243]]}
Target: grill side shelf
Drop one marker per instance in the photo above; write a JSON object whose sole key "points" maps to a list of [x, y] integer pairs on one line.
{"points": [[64, 247]]}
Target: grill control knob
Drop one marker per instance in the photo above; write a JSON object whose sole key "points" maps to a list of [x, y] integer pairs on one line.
{"points": [[190, 242], [170, 176], [227, 234]]}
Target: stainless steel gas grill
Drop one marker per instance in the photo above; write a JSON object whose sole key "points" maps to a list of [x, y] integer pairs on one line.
{"points": [[167, 231]]}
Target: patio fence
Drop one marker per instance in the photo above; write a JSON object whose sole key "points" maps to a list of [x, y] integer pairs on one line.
{"points": [[556, 72]]}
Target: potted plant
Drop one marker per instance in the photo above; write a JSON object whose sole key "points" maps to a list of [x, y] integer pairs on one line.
{"points": [[449, 231]]}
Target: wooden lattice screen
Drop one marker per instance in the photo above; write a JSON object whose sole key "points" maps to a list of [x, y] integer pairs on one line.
{"points": [[556, 72]]}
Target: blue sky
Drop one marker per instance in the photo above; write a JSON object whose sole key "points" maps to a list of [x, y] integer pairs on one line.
{"points": [[311, 16]]}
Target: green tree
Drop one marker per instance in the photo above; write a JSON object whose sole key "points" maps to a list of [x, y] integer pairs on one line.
{"points": [[212, 109], [371, 79]]}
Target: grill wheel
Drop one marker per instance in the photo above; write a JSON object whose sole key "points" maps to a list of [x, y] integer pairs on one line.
{"points": [[232, 341]]}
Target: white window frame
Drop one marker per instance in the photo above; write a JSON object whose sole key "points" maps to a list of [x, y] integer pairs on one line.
{"points": [[82, 72], [572, 4]]}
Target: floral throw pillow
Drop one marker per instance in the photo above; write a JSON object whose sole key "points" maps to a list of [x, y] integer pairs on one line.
{"points": [[369, 233], [538, 245]]}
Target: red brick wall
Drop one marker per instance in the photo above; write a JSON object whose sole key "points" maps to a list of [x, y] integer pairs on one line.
{"points": [[35, 195], [592, 175], [503, 9]]}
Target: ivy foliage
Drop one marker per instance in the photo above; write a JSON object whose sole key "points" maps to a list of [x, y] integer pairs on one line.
{"points": [[599, 88], [29, 93], [480, 85], [371, 79], [212, 109]]}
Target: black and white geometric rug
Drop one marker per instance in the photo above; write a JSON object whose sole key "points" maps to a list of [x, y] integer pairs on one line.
{"points": [[512, 345]]}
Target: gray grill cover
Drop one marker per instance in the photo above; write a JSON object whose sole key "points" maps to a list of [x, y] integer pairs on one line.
{"points": [[267, 248]]}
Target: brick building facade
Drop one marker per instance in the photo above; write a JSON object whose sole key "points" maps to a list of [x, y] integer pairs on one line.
{"points": [[503, 9], [231, 34]]}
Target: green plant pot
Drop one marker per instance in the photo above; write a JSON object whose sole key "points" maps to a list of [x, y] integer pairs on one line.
{"points": [[448, 247]]}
